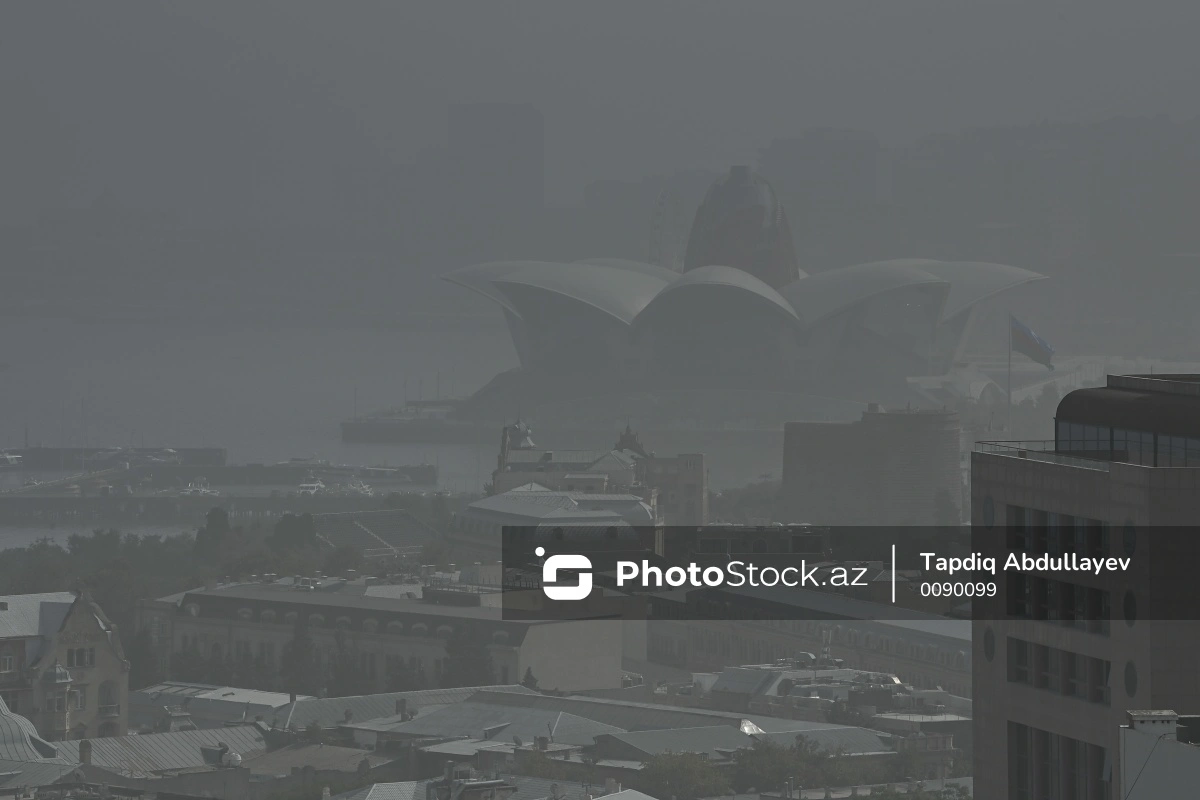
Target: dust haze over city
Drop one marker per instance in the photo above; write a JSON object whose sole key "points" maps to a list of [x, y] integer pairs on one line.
{"points": [[392, 396]]}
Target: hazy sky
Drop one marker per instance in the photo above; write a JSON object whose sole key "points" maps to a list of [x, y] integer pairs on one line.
{"points": [[139, 95]]}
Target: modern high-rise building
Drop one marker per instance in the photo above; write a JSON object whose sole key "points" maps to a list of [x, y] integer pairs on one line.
{"points": [[1063, 656]]}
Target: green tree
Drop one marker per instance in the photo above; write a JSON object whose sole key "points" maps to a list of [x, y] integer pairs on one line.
{"points": [[300, 673], [189, 665], [214, 539], [314, 733], [686, 776], [144, 667], [436, 552], [293, 532], [468, 662], [343, 559], [904, 767], [529, 682], [43, 566], [346, 676], [765, 766], [402, 677], [948, 793]]}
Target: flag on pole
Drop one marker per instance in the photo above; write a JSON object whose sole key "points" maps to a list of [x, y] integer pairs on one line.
{"points": [[1023, 340]]}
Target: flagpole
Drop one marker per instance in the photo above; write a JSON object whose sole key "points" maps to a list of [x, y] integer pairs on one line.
{"points": [[1010, 327]]}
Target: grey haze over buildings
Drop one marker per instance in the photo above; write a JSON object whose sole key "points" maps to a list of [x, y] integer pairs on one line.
{"points": [[169, 106], [229, 164]]}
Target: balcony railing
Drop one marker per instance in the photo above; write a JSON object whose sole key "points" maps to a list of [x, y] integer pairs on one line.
{"points": [[1043, 450], [109, 711]]}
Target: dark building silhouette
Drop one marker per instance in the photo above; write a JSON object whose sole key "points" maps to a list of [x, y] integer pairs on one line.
{"points": [[742, 224], [891, 467]]}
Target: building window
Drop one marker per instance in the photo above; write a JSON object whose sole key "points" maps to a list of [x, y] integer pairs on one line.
{"points": [[80, 696], [7, 663], [81, 657]]}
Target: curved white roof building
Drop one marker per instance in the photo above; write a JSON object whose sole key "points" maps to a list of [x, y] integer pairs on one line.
{"points": [[763, 320]]}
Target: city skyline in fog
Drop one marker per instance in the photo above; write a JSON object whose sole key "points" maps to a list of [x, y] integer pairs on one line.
{"points": [[141, 102]]}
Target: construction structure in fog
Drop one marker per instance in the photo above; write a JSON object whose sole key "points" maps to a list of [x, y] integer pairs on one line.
{"points": [[891, 467]]}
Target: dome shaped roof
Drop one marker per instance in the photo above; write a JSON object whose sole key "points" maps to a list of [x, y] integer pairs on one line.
{"points": [[616, 287], [741, 189], [816, 297], [741, 224], [19, 740], [971, 282], [613, 290], [723, 279]]}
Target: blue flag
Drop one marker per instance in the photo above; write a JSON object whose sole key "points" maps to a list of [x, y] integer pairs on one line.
{"points": [[1024, 341]]}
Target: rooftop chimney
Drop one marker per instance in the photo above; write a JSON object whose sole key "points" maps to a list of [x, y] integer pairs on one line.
{"points": [[85, 752], [1155, 723]]}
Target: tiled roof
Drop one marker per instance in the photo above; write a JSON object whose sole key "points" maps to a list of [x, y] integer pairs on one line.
{"points": [[34, 614], [403, 790], [632, 716], [19, 739], [501, 723], [331, 711], [740, 680], [33, 773], [544, 788], [707, 740], [159, 753], [318, 756], [848, 740]]}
